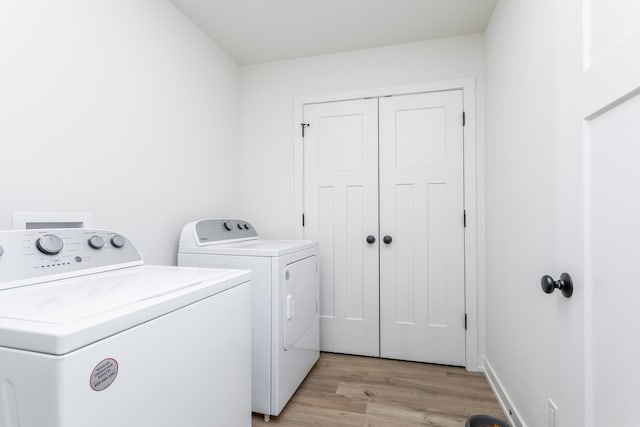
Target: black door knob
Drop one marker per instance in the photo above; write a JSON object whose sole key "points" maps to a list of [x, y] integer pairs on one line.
{"points": [[565, 284], [371, 239], [387, 239]]}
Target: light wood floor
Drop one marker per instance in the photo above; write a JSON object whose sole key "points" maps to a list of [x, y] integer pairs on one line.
{"points": [[346, 390]]}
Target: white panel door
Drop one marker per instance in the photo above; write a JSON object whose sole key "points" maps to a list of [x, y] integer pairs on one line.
{"points": [[612, 143], [421, 210], [341, 210], [598, 209]]}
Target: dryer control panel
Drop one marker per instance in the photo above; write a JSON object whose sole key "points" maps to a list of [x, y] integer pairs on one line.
{"points": [[35, 256], [216, 230]]}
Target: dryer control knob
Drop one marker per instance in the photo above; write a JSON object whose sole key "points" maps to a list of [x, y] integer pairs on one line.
{"points": [[227, 225], [239, 226], [246, 226], [118, 241], [50, 244], [1, 250], [96, 242]]}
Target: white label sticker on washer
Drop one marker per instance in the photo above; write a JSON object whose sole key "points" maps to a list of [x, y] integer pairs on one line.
{"points": [[104, 374]]}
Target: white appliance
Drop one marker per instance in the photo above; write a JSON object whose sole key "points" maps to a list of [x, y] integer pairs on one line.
{"points": [[286, 337], [89, 336]]}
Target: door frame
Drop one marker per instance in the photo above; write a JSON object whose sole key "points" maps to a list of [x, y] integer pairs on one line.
{"points": [[473, 249]]}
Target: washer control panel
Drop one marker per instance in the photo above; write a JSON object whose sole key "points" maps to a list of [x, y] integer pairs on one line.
{"points": [[34, 256], [216, 230]]}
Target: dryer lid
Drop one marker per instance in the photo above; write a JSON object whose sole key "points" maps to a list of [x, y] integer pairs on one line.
{"points": [[262, 248]]}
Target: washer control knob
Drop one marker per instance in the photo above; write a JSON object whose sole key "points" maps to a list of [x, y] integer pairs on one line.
{"points": [[118, 241], [227, 225], [96, 242], [246, 226], [1, 250], [239, 226], [49, 244]]}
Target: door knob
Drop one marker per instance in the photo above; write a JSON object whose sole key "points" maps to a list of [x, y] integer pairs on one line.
{"points": [[371, 239], [387, 239], [565, 284]]}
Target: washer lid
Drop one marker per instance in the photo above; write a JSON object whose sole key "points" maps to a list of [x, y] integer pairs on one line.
{"points": [[257, 247], [61, 316]]}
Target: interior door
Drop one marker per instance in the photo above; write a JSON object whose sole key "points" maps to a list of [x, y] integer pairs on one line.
{"points": [[612, 141], [422, 228], [598, 211], [341, 211]]}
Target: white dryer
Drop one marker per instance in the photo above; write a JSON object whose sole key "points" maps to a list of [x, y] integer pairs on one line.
{"points": [[89, 336], [286, 337]]}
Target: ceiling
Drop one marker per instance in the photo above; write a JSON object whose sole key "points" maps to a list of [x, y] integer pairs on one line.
{"points": [[253, 31]]}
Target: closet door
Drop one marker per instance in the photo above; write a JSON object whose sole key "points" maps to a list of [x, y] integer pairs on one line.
{"points": [[421, 211], [341, 211]]}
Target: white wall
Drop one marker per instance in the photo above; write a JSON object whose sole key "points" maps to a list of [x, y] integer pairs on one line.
{"points": [[521, 202], [267, 103], [122, 108]]}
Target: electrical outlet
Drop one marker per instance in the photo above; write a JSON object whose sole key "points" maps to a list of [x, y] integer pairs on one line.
{"points": [[553, 414]]}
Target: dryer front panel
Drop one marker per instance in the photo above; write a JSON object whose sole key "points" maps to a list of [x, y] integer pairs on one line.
{"points": [[300, 303]]}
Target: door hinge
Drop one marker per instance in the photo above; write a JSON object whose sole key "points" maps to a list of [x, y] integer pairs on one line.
{"points": [[465, 321], [303, 125], [464, 120], [303, 220], [464, 218]]}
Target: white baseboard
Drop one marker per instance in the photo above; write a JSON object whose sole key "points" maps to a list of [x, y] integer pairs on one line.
{"points": [[503, 397]]}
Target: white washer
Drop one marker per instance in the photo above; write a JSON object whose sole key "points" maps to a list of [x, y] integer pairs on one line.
{"points": [[286, 337], [89, 336]]}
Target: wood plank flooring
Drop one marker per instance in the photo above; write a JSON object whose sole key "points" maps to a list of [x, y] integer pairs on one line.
{"points": [[344, 390]]}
